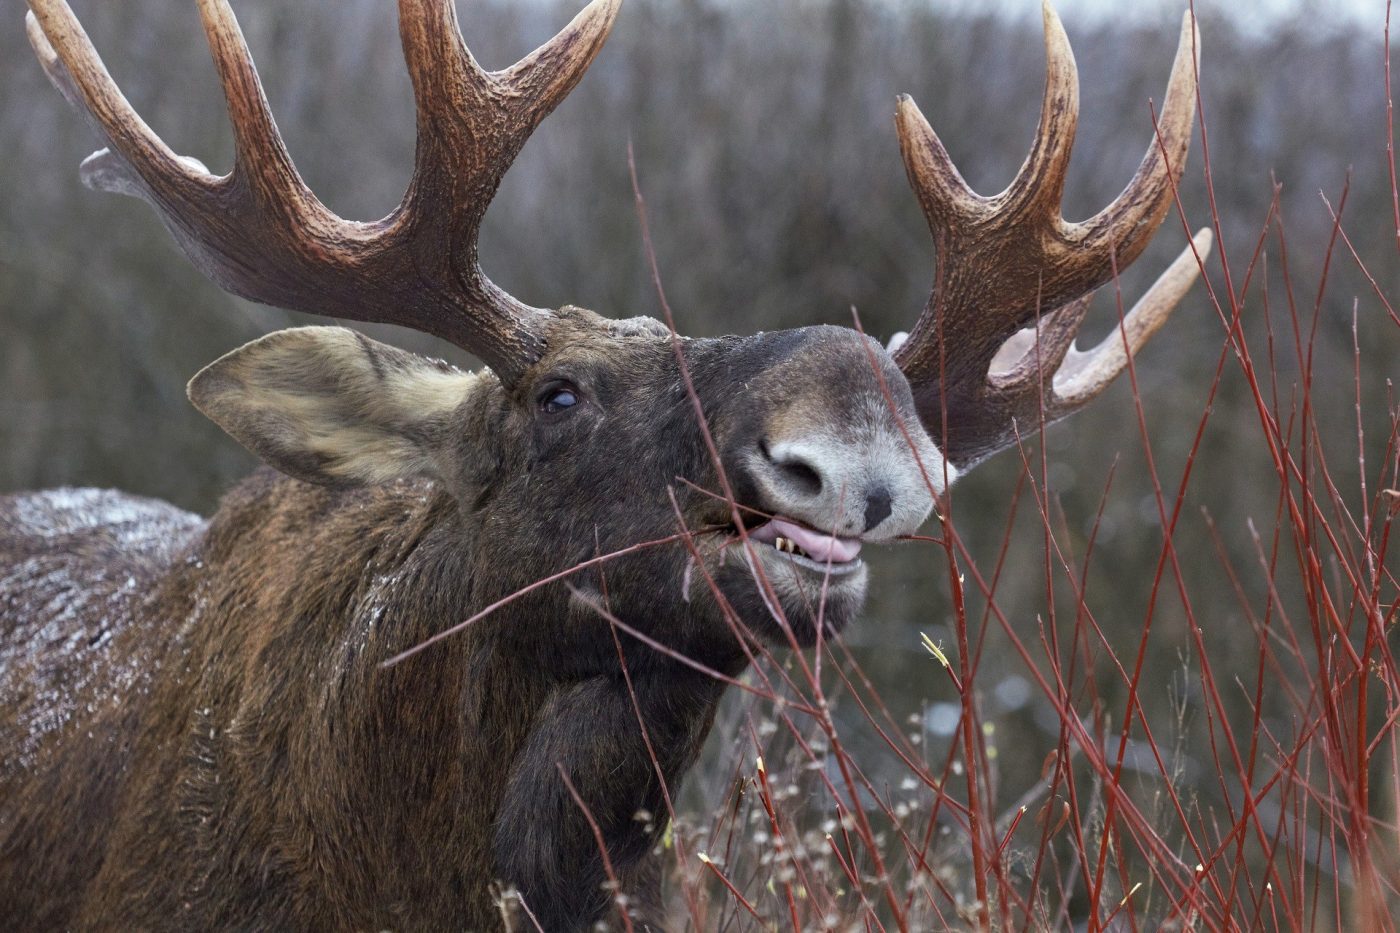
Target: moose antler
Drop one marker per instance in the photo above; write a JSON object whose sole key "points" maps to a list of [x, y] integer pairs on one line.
{"points": [[1011, 262], [259, 231]]}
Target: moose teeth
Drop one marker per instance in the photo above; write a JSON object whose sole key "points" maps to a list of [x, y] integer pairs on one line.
{"points": [[788, 545]]}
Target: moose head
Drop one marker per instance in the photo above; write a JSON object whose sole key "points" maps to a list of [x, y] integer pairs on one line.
{"points": [[754, 468]]}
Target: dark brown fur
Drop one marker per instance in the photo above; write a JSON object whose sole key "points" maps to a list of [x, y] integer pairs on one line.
{"points": [[209, 740]]}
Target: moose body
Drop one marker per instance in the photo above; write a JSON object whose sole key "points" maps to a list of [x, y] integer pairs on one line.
{"points": [[299, 785], [200, 729]]}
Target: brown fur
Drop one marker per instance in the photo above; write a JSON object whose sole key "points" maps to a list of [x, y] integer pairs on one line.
{"points": [[206, 738]]}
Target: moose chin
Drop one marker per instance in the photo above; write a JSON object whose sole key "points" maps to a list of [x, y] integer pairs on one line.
{"points": [[199, 728]]}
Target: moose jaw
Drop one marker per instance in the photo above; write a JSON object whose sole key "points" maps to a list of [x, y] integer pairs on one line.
{"points": [[208, 700]]}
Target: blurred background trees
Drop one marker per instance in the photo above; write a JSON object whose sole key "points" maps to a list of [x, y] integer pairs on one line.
{"points": [[765, 147], [766, 151]]}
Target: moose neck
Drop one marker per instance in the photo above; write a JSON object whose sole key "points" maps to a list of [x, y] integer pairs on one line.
{"points": [[404, 767]]}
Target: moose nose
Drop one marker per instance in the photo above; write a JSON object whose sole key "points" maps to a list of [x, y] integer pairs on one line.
{"points": [[878, 506], [846, 489]]}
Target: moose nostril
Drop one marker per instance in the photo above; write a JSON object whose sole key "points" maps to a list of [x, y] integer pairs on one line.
{"points": [[793, 468], [878, 506], [802, 476]]}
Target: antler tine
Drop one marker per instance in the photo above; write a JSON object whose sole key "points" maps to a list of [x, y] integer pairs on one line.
{"points": [[1040, 183], [1010, 265], [73, 66], [547, 75], [260, 233], [1086, 374], [261, 158], [1126, 225], [472, 123], [1035, 353], [947, 200]]}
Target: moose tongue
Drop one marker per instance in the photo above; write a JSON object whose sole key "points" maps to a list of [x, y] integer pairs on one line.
{"points": [[827, 549]]}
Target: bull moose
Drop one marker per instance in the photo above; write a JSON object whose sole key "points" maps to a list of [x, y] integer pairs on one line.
{"points": [[199, 730]]}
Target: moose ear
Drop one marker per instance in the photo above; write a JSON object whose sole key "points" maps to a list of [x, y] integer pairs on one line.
{"points": [[330, 406]]}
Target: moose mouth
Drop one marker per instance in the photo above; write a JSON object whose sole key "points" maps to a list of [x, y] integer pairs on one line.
{"points": [[814, 550], [792, 582]]}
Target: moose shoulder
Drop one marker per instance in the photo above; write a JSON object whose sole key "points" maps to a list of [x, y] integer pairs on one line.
{"points": [[199, 729]]}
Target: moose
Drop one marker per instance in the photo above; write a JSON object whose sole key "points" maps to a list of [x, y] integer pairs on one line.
{"points": [[199, 728]]}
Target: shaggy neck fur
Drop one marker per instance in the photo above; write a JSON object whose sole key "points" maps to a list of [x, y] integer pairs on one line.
{"points": [[313, 789]]}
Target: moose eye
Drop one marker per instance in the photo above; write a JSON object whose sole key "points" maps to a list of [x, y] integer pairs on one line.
{"points": [[558, 398]]}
